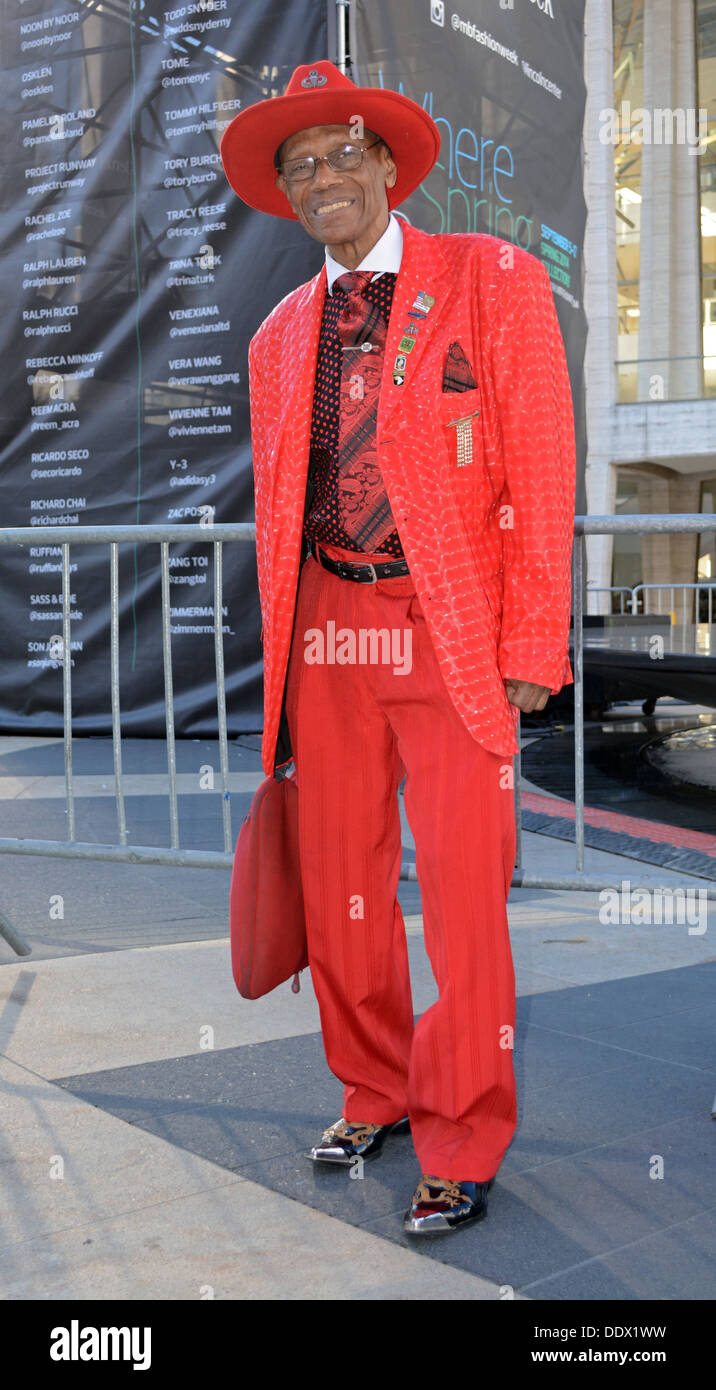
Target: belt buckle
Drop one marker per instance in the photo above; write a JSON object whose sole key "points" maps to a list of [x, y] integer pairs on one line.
{"points": [[374, 579]]}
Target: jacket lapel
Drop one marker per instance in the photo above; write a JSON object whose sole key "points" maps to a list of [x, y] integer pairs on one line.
{"points": [[423, 268], [295, 360]]}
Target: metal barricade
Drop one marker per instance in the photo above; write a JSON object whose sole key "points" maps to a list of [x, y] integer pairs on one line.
{"points": [[639, 604], [216, 535], [620, 589], [681, 523], [690, 605]]}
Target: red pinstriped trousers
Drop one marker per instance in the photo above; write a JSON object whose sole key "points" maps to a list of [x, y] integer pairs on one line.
{"points": [[356, 730]]}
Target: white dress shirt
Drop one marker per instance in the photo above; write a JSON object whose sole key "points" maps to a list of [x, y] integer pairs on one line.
{"points": [[385, 255]]}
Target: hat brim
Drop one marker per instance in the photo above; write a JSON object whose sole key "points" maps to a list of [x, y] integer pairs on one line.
{"points": [[250, 141]]}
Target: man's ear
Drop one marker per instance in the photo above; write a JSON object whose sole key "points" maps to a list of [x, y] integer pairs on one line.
{"points": [[281, 183], [391, 171]]}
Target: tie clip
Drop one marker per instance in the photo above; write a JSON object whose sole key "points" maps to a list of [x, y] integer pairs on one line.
{"points": [[462, 418]]}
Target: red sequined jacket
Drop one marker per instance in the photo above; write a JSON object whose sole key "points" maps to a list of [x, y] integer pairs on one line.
{"points": [[488, 542]]}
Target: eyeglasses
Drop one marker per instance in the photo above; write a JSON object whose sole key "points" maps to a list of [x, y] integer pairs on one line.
{"points": [[342, 160]]}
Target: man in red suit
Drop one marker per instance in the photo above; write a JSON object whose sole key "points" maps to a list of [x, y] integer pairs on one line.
{"points": [[414, 465]]}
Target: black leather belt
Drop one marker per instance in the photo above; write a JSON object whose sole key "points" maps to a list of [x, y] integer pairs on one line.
{"points": [[362, 573]]}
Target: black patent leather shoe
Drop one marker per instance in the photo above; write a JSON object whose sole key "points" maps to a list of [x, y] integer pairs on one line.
{"points": [[347, 1140], [439, 1205]]}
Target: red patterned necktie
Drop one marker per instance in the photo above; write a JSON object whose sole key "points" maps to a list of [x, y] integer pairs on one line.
{"points": [[363, 505]]}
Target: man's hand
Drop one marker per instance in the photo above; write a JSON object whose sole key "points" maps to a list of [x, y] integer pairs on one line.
{"points": [[526, 695]]}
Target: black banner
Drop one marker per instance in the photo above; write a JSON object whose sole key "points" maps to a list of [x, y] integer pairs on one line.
{"points": [[505, 84], [133, 279]]}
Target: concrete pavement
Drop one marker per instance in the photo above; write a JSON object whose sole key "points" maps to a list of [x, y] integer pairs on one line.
{"points": [[155, 1124]]}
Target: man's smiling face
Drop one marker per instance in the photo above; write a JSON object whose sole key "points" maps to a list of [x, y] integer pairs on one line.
{"points": [[347, 211]]}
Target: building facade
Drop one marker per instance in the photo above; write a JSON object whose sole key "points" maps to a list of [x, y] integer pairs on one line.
{"points": [[650, 285]]}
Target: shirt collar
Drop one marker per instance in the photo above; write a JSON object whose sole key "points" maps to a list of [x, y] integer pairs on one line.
{"points": [[386, 255]]}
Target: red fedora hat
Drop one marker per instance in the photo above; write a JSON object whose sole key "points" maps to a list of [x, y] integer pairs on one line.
{"points": [[319, 94]]}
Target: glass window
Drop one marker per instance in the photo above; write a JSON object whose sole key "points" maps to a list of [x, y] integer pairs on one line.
{"points": [[628, 95]]}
